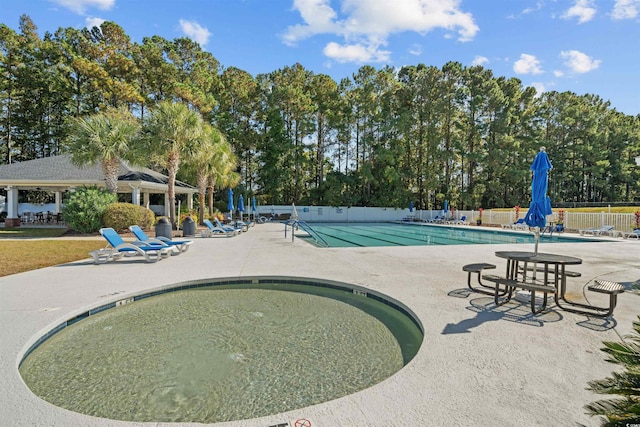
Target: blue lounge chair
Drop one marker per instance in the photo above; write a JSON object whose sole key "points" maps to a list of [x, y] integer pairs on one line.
{"points": [[229, 227], [120, 248], [180, 245], [213, 230]]}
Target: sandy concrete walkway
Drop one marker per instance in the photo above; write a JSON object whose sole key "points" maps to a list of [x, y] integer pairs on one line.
{"points": [[479, 365]]}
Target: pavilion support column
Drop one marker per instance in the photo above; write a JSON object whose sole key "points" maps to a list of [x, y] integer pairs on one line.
{"points": [[190, 201], [58, 201], [135, 196], [12, 219], [147, 200]]}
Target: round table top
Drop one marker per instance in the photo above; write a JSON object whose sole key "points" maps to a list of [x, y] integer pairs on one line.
{"points": [[540, 257]]}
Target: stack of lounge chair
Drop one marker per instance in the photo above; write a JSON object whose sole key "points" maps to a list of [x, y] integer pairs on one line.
{"points": [[518, 225], [604, 230]]}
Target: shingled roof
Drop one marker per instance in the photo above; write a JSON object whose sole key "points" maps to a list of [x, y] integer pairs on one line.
{"points": [[60, 172]]}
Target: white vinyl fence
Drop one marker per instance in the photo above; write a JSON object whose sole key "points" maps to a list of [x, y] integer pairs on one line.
{"points": [[572, 220]]}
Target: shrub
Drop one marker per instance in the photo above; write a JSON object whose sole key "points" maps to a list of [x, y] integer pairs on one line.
{"points": [[624, 409], [84, 208], [120, 216]]}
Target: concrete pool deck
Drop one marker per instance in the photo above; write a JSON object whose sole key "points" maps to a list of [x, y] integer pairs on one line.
{"points": [[479, 364]]}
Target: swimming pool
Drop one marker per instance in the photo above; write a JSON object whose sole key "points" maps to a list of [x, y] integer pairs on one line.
{"points": [[342, 235]]}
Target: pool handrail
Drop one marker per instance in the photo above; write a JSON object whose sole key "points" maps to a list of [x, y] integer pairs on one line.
{"points": [[311, 232]]}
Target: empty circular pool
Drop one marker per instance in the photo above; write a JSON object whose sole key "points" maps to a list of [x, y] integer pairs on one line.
{"points": [[222, 350]]}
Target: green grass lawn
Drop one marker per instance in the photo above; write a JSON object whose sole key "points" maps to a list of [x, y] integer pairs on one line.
{"points": [[40, 247], [13, 233]]}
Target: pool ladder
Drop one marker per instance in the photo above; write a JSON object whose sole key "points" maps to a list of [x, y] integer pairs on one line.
{"points": [[295, 224]]}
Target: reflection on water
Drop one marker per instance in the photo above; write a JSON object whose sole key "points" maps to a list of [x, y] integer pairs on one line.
{"points": [[219, 354]]}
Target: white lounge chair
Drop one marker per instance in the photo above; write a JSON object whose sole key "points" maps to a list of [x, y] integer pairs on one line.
{"points": [[635, 234], [596, 231]]}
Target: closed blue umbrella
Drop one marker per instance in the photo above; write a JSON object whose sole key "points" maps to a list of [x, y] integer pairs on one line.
{"points": [[230, 203], [254, 209], [540, 205], [445, 209], [411, 206], [240, 206]]}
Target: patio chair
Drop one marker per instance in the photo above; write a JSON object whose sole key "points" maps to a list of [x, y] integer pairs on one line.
{"points": [[596, 231], [179, 245], [213, 230], [120, 248]]}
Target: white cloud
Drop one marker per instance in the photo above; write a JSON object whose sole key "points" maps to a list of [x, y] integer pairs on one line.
{"points": [[558, 73], [92, 21], [415, 50], [195, 31], [579, 62], [364, 25], [583, 10], [358, 53], [527, 64], [480, 60], [80, 6], [318, 16], [626, 9], [533, 9]]}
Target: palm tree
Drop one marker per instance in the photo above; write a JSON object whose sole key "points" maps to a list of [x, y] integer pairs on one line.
{"points": [[224, 177], [210, 158], [625, 410], [106, 137], [173, 130]]}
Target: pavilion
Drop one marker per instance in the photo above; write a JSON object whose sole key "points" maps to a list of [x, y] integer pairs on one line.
{"points": [[58, 174]]}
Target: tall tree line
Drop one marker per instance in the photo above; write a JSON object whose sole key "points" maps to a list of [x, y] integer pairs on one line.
{"points": [[381, 137]]}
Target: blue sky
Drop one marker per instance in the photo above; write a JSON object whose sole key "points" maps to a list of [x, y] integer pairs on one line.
{"points": [[583, 46]]}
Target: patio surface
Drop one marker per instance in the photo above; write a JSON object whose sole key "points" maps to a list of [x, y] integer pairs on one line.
{"points": [[479, 365]]}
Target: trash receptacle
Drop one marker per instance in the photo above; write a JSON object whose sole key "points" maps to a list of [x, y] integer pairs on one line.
{"points": [[163, 228], [188, 227]]}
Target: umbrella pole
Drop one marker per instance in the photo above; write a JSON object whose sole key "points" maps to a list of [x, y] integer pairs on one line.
{"points": [[536, 238]]}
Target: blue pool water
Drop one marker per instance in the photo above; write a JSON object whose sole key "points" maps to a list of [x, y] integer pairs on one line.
{"points": [[340, 235]]}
